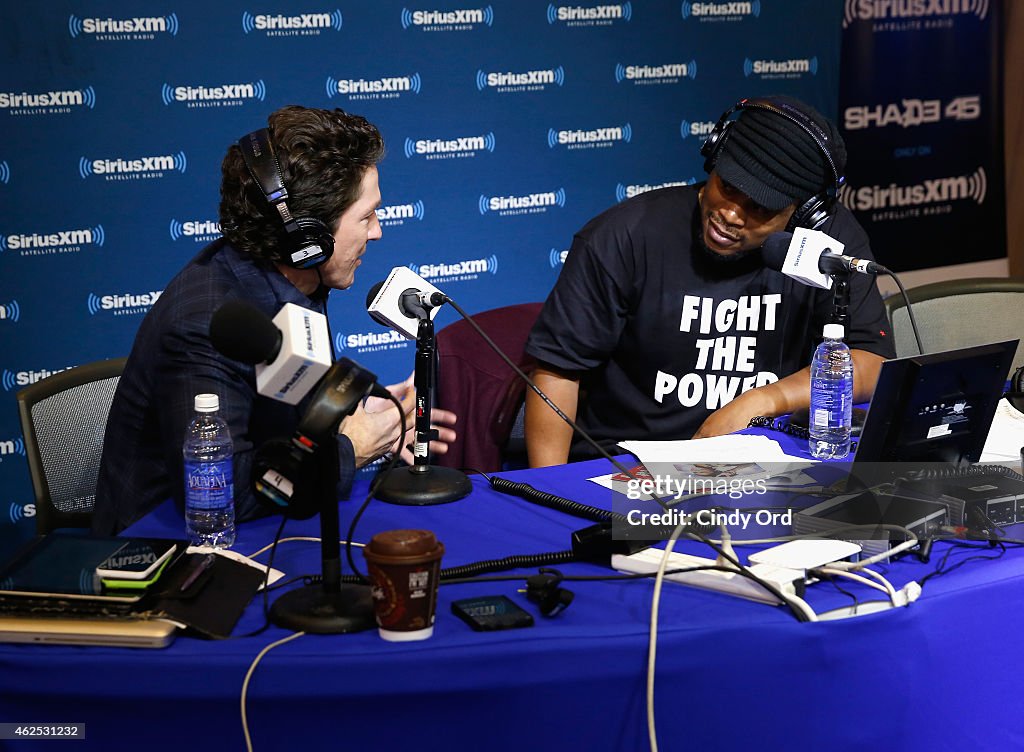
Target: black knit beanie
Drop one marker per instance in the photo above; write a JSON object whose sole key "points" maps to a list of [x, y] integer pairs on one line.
{"points": [[776, 162]]}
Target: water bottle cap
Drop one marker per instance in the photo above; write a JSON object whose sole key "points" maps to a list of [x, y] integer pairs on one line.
{"points": [[833, 331], [207, 403]]}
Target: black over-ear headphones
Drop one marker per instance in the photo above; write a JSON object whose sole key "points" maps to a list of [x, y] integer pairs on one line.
{"points": [[813, 213], [307, 240]]}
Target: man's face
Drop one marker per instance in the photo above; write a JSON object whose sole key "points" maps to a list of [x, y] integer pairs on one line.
{"points": [[732, 223], [356, 226]]}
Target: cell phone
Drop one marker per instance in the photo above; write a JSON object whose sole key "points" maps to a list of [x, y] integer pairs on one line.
{"points": [[137, 559], [489, 613]]}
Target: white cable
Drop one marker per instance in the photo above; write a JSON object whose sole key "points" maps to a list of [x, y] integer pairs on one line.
{"points": [[307, 538], [248, 676], [858, 578], [885, 583]]}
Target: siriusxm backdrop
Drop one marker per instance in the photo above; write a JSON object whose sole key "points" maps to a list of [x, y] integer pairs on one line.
{"points": [[508, 126]]}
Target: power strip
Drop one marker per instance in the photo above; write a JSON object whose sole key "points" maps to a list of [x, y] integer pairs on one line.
{"points": [[733, 583]]}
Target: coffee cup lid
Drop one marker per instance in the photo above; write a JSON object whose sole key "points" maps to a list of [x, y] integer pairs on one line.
{"points": [[403, 543]]}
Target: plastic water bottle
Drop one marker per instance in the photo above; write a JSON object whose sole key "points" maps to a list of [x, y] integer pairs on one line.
{"points": [[209, 477], [831, 396]]}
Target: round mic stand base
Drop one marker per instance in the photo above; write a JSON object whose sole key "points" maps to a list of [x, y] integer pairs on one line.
{"points": [[317, 610], [422, 485]]}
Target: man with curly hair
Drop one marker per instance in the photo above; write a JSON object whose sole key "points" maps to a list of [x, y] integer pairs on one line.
{"points": [[328, 162]]}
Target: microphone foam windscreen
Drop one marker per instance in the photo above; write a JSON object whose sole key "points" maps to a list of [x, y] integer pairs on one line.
{"points": [[774, 249], [372, 294], [244, 333]]}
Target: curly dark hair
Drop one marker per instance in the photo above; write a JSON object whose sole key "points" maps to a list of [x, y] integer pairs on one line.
{"points": [[323, 155]]}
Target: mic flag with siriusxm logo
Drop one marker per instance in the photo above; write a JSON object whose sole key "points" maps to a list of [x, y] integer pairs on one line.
{"points": [[926, 177], [508, 126]]}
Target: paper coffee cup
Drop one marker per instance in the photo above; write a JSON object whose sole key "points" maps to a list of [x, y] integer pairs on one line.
{"points": [[404, 567]]}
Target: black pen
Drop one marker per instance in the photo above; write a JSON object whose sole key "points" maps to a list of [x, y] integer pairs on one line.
{"points": [[201, 566]]}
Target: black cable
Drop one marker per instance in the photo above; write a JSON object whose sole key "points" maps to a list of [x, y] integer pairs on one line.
{"points": [[266, 588], [763, 421], [941, 568], [551, 501], [835, 583], [910, 310]]}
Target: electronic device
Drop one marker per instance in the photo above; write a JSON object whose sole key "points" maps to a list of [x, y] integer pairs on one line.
{"points": [[814, 212], [137, 560], [806, 554], [385, 304], [936, 407], [308, 242], [125, 633], [985, 495], [489, 613]]}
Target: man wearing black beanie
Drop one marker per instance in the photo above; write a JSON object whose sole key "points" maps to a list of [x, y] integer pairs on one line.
{"points": [[665, 324]]}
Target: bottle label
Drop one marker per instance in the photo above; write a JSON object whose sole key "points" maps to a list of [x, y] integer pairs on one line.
{"points": [[209, 485], [831, 403]]}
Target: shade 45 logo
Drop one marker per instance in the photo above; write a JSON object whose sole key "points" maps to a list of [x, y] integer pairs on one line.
{"points": [[54, 102], [730, 11], [459, 19], [388, 87], [913, 11], [122, 304], [457, 271], [358, 343], [909, 113], [140, 168], [62, 241], [120, 29], [449, 148], [197, 230], [506, 82], [530, 203], [395, 215], [220, 95], [303, 24], [590, 15], [775, 69], [646, 75]]}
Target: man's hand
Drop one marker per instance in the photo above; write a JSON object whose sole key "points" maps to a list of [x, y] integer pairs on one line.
{"points": [[735, 415], [374, 428]]}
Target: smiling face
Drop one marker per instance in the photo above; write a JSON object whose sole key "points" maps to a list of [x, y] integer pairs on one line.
{"points": [[732, 223], [357, 226]]}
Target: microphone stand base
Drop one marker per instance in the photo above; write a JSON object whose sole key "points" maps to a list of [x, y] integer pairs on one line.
{"points": [[422, 485], [317, 610]]}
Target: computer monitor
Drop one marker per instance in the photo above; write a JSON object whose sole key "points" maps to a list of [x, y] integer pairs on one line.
{"points": [[936, 407]]}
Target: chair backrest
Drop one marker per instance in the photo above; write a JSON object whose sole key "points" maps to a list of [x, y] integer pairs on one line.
{"points": [[63, 418], [960, 313], [479, 386]]}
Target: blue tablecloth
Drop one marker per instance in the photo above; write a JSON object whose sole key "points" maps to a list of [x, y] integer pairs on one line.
{"points": [[942, 674]]}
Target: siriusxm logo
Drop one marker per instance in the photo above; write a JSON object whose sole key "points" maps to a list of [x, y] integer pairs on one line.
{"points": [[795, 68], [305, 24], [556, 257], [391, 87], [5, 172], [593, 139], [593, 15], [10, 311], [225, 95], [971, 187], [462, 19], [467, 146], [123, 304], [457, 271], [19, 512], [133, 169], [721, 11], [12, 447], [622, 192], [699, 128], [641, 75], [47, 103], [15, 380], [911, 112], [200, 230], [398, 214], [364, 342], [534, 80], [65, 241], [112, 29], [885, 10], [532, 203]]}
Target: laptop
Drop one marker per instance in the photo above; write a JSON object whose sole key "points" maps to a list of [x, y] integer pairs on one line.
{"points": [[123, 633]]}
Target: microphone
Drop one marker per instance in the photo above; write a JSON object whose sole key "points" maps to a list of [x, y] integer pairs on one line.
{"points": [[402, 300], [811, 257], [291, 352]]}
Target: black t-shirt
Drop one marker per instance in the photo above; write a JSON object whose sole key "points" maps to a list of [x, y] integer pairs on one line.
{"points": [[663, 332]]}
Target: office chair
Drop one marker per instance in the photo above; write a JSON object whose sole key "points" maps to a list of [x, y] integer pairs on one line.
{"points": [[63, 418], [960, 313], [474, 382]]}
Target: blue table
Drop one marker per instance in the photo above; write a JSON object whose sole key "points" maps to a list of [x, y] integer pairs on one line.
{"points": [[943, 674]]}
